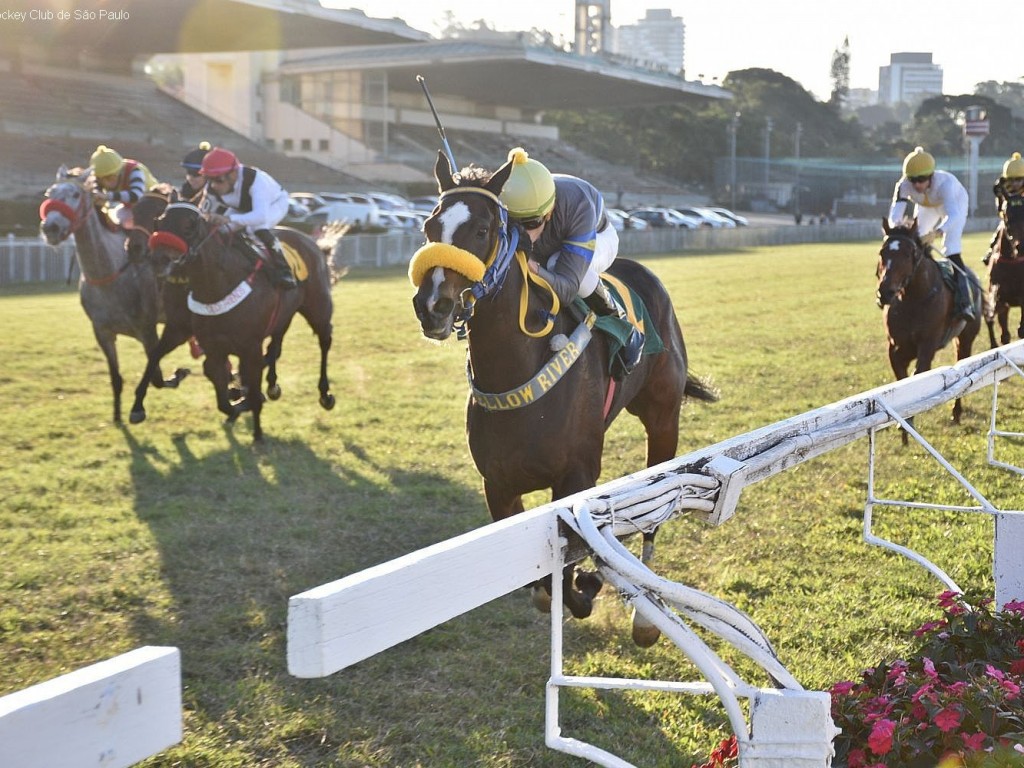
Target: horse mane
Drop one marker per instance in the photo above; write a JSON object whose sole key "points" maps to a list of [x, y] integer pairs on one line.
{"points": [[908, 229], [163, 189], [473, 175]]}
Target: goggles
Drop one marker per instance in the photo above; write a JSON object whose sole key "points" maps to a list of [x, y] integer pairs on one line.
{"points": [[920, 179]]}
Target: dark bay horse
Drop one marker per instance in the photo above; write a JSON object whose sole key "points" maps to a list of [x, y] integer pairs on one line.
{"points": [[120, 295], [1006, 269], [918, 306], [234, 306], [556, 439]]}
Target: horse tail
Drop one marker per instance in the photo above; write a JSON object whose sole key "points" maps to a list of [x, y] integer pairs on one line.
{"points": [[327, 242], [701, 389]]}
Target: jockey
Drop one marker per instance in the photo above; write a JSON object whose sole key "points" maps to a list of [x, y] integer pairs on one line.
{"points": [[1010, 184], [941, 209], [120, 182], [243, 197], [192, 163], [572, 240]]}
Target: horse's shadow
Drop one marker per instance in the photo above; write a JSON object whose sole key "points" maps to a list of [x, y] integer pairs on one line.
{"points": [[230, 566]]}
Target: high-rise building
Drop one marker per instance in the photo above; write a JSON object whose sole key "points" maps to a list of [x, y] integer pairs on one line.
{"points": [[657, 40], [908, 78]]}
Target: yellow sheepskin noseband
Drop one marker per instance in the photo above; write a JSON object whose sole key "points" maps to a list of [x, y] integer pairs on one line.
{"points": [[444, 255]]}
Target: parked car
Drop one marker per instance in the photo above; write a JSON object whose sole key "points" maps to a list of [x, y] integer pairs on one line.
{"points": [[350, 213], [707, 217], [664, 217], [426, 203], [407, 220], [622, 220], [389, 202], [309, 200], [741, 221]]}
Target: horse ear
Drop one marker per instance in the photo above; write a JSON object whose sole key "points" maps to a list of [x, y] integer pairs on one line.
{"points": [[885, 226], [173, 196], [497, 181], [62, 173], [443, 172]]}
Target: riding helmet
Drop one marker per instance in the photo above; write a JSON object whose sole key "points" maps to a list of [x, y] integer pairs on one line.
{"points": [[918, 163], [105, 162], [218, 161], [1014, 167], [193, 161], [530, 190]]}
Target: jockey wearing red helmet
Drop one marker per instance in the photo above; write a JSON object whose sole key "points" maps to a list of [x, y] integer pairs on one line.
{"points": [[244, 197]]}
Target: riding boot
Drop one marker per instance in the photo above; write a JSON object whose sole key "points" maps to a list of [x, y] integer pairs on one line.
{"points": [[963, 299], [280, 273], [603, 304]]}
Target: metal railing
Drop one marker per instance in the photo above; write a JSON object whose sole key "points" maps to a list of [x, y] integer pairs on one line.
{"points": [[27, 260]]}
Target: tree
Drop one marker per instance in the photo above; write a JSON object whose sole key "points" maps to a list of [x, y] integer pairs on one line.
{"points": [[840, 75]]}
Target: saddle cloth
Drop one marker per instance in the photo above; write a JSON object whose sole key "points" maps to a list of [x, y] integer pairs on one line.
{"points": [[618, 330], [295, 261]]}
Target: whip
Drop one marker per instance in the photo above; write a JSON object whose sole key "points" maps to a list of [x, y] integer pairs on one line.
{"points": [[437, 120]]}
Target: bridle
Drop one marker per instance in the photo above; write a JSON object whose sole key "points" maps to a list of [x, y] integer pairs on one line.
{"points": [[76, 216], [917, 257]]}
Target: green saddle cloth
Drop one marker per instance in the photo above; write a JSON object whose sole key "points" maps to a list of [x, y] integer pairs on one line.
{"points": [[618, 330]]}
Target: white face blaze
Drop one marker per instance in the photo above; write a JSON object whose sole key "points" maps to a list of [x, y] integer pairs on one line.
{"points": [[436, 279], [453, 217]]}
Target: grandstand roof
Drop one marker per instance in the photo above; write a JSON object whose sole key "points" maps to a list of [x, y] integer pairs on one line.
{"points": [[529, 77], [116, 33]]}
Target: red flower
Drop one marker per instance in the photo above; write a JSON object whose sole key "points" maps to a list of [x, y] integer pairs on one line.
{"points": [[948, 719], [973, 742], [880, 740]]}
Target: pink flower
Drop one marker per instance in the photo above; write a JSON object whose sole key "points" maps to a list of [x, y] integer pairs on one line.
{"points": [[1014, 606], [1017, 667], [927, 627], [973, 742], [929, 668], [1011, 688], [842, 688], [947, 719], [993, 672], [948, 598], [880, 740], [856, 758]]}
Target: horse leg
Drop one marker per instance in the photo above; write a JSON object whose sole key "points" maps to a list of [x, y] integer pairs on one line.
{"points": [[320, 322], [657, 407], [324, 385], [218, 371], [171, 338], [899, 361], [1020, 328], [250, 369], [108, 345], [579, 588], [272, 356], [1003, 315]]}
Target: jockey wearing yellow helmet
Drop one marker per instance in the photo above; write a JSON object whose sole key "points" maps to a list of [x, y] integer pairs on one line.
{"points": [[942, 203], [1009, 185], [120, 182], [572, 240]]}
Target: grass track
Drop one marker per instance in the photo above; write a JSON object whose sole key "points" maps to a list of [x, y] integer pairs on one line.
{"points": [[179, 532]]}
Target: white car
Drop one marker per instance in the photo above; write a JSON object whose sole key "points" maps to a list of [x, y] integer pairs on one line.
{"points": [[707, 217], [741, 221], [621, 220]]}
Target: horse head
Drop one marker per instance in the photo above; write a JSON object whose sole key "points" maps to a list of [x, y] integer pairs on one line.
{"points": [[66, 205], [177, 233], [899, 256], [466, 234]]}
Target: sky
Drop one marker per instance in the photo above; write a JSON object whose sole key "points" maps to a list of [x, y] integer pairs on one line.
{"points": [[795, 37]]}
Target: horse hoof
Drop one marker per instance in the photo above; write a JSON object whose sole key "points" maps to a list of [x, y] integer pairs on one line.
{"points": [[541, 599], [327, 401], [645, 637], [181, 373], [137, 417], [274, 391]]}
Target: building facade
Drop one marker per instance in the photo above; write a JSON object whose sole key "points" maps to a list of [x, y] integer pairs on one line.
{"points": [[657, 40], [908, 78]]}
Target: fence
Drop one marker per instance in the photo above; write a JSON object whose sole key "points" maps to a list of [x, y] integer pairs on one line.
{"points": [[338, 624], [25, 260], [111, 714]]}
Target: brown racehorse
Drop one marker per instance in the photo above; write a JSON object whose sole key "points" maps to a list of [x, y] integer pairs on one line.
{"points": [[918, 306], [556, 440], [120, 295], [235, 307], [1006, 269]]}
